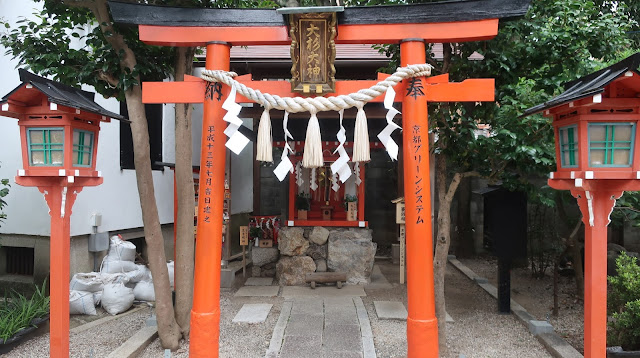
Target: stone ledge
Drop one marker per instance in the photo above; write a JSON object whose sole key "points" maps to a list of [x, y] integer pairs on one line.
{"points": [[133, 346]]}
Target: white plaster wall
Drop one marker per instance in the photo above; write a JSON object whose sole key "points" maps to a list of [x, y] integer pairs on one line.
{"points": [[116, 199]]}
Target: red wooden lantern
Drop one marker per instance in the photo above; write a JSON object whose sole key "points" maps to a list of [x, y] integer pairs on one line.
{"points": [[59, 127], [59, 135], [596, 132]]}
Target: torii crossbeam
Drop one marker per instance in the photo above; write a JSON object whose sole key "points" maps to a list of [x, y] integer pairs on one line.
{"points": [[411, 26]]}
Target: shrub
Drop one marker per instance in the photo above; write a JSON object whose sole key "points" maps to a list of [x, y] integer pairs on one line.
{"points": [[17, 312], [624, 304]]}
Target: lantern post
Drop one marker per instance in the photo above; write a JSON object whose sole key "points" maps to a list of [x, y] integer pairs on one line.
{"points": [[59, 128], [596, 127]]}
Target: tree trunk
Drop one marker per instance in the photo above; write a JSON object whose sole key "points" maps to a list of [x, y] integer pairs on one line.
{"points": [[185, 243], [168, 329], [442, 250], [445, 197], [572, 244], [464, 233]]}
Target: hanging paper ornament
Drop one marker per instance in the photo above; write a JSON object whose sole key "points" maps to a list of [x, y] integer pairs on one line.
{"points": [[361, 137], [299, 179], [334, 182], [312, 156], [263, 150], [237, 141], [313, 185], [356, 169], [341, 165], [285, 165], [385, 134]]}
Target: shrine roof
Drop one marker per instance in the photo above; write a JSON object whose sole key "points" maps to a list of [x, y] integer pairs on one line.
{"points": [[57, 93], [589, 85], [444, 11], [344, 52]]}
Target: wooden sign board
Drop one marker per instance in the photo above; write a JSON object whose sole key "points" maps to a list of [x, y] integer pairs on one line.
{"points": [[400, 213], [244, 235], [313, 52], [352, 211]]}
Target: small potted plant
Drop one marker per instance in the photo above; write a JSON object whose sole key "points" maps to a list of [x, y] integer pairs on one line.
{"points": [[350, 205], [624, 307], [303, 205]]}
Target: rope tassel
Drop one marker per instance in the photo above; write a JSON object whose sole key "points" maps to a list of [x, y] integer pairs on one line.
{"points": [[361, 138], [264, 151], [312, 156]]}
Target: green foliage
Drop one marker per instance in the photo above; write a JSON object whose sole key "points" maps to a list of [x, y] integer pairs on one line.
{"points": [[543, 242], [303, 201], [624, 304], [17, 312], [255, 232], [349, 199], [627, 209], [4, 191], [43, 45]]}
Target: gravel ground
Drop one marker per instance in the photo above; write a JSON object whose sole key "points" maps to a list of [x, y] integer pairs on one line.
{"points": [[478, 331], [536, 295], [96, 342]]}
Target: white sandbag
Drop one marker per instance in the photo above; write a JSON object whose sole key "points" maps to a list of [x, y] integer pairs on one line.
{"points": [[144, 291], [81, 302], [116, 266], [120, 250], [170, 269], [118, 277], [116, 298], [97, 297], [141, 273], [88, 282]]}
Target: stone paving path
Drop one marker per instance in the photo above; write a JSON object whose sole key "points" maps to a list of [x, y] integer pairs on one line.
{"points": [[323, 328]]}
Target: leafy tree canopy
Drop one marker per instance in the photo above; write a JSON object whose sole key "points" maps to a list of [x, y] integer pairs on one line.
{"points": [[44, 45]]}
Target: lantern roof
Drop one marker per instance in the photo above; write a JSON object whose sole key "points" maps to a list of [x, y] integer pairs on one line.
{"points": [[594, 83], [29, 92]]}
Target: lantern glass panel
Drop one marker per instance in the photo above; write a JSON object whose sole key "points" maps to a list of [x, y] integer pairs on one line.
{"points": [[610, 144], [568, 146], [46, 146], [82, 148]]}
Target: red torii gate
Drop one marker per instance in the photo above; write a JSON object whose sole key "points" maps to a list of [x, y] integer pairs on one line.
{"points": [[453, 22]]}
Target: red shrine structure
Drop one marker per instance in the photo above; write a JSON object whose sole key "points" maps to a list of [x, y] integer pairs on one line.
{"points": [[596, 130], [410, 26]]}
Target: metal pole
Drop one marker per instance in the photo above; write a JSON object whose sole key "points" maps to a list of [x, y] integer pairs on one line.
{"points": [[422, 325], [205, 314]]}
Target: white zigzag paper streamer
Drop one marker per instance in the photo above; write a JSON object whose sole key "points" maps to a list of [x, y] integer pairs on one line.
{"points": [[334, 180], [341, 166], [285, 165], [313, 186], [385, 134], [299, 179], [237, 141], [356, 169]]}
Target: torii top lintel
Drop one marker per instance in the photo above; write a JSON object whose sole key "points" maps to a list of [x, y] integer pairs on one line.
{"points": [[449, 21]]}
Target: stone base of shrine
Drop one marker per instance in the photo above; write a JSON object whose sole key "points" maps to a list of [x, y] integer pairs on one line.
{"points": [[305, 250]]}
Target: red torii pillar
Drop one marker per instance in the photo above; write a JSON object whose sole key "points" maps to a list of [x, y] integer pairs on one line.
{"points": [[422, 332]]}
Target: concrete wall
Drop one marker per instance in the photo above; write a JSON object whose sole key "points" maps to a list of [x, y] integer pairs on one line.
{"points": [[116, 199]]}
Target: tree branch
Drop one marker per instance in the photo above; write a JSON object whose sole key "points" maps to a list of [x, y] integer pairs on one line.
{"points": [[457, 177], [107, 77]]}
